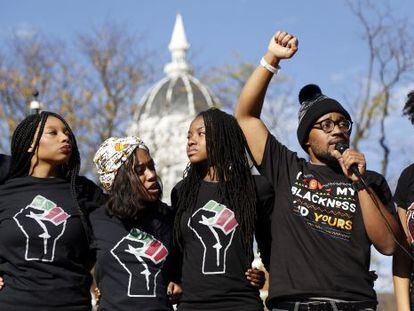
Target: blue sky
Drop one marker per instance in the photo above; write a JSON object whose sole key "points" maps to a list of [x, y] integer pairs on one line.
{"points": [[331, 50], [330, 44]]}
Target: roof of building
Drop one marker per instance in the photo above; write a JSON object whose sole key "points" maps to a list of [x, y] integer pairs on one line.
{"points": [[179, 91]]}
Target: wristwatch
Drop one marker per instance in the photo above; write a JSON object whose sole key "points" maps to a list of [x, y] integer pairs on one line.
{"points": [[358, 185]]}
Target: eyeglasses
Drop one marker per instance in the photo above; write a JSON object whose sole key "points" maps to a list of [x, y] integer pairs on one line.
{"points": [[328, 125]]}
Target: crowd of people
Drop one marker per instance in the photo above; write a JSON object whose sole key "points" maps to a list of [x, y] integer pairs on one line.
{"points": [[314, 219]]}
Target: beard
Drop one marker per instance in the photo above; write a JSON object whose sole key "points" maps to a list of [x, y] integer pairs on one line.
{"points": [[327, 158]]}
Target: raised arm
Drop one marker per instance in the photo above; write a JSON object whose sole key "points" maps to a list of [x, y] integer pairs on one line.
{"points": [[248, 109]]}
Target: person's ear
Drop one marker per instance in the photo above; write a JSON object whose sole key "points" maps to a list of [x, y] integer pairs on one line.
{"points": [[307, 145]]}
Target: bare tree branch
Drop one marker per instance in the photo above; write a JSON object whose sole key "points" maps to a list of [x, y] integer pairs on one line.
{"points": [[390, 59]]}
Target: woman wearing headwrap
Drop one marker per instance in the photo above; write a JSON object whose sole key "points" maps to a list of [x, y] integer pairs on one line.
{"points": [[133, 232]]}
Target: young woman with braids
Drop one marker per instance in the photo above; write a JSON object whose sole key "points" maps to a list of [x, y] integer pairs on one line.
{"points": [[404, 200], [133, 232], [45, 255], [216, 207]]}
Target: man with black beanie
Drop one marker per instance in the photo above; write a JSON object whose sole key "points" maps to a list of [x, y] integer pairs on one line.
{"points": [[328, 210]]}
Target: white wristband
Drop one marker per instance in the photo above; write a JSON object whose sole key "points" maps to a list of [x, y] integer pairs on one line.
{"points": [[269, 67]]}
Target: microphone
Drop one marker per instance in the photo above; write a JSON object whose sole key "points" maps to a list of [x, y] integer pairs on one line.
{"points": [[341, 147]]}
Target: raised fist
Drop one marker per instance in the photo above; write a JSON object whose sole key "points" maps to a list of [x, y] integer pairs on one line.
{"points": [[142, 256], [43, 223], [283, 45], [215, 225]]}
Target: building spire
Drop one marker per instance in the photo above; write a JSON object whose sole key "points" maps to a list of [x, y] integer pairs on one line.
{"points": [[35, 106], [178, 47]]}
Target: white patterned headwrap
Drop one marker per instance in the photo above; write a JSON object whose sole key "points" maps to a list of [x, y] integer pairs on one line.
{"points": [[112, 154]]}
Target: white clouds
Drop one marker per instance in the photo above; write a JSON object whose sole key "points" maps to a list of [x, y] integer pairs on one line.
{"points": [[21, 30], [24, 31]]}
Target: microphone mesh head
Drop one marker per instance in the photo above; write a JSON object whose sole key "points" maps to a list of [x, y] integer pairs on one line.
{"points": [[341, 146]]}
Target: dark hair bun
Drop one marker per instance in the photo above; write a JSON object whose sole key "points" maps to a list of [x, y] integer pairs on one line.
{"points": [[309, 92]]}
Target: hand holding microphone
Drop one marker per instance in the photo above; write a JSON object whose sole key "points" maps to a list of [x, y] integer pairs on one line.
{"points": [[352, 162]]}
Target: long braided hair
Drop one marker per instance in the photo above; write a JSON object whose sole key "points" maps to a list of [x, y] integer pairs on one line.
{"points": [[408, 109], [226, 153], [23, 140]]}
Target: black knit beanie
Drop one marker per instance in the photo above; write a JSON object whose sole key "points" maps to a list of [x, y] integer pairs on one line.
{"points": [[313, 106]]}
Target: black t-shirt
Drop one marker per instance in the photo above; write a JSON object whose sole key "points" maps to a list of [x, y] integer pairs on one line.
{"points": [[404, 193], [404, 198], [44, 251], [133, 268], [319, 244], [4, 167], [214, 259]]}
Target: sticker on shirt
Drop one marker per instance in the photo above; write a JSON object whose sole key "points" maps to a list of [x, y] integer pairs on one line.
{"points": [[214, 225], [43, 223], [327, 208], [142, 256]]}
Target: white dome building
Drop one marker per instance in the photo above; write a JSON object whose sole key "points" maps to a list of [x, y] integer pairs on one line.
{"points": [[167, 109]]}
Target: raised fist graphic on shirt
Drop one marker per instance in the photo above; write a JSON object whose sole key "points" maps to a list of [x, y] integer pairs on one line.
{"points": [[43, 223], [215, 225], [142, 256]]}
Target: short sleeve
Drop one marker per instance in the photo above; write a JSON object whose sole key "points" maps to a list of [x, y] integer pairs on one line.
{"points": [[90, 196], [276, 158], [404, 193], [380, 186]]}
